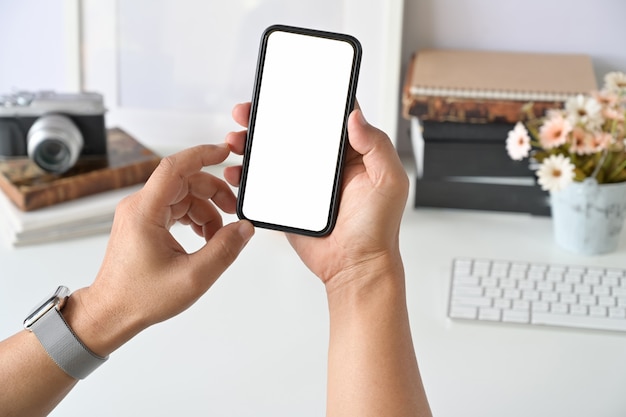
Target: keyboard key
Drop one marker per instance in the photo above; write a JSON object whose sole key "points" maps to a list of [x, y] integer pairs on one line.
{"points": [[584, 322], [463, 312], [600, 290], [472, 301], [502, 303], [466, 290], [618, 313], [618, 292], [517, 274], [605, 301], [489, 282], [562, 287], [536, 275], [568, 298], [526, 285], [514, 316], [554, 276], [594, 272], [615, 273], [549, 296], [512, 294], [493, 292], [591, 279], [610, 281], [463, 263], [488, 313], [508, 283], [521, 305], [559, 308], [576, 270], [596, 311], [499, 269], [573, 278], [466, 280], [587, 300], [530, 295], [582, 289]]}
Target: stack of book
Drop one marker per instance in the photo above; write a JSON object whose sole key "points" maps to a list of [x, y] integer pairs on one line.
{"points": [[462, 105], [37, 207]]}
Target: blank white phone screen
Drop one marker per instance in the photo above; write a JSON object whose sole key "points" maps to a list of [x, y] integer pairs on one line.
{"points": [[298, 129]]}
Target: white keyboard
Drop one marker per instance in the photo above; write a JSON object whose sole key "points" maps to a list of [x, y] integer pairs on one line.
{"points": [[538, 294]]}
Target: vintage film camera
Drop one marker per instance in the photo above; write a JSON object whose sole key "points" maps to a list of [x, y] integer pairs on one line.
{"points": [[52, 129]]}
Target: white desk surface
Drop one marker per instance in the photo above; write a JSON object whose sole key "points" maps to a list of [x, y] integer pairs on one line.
{"points": [[256, 344]]}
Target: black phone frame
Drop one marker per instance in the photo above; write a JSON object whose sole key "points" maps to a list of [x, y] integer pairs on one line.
{"points": [[350, 103]]}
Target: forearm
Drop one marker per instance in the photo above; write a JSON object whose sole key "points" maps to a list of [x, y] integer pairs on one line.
{"points": [[32, 383], [372, 366]]}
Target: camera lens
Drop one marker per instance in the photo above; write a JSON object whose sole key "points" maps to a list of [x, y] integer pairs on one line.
{"points": [[54, 143]]}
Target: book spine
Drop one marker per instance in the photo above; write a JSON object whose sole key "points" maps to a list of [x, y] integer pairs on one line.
{"points": [[472, 110]]}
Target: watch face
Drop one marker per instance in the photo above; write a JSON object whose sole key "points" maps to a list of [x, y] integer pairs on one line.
{"points": [[55, 300]]}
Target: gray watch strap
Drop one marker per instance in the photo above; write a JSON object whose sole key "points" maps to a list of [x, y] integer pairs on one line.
{"points": [[64, 347]]}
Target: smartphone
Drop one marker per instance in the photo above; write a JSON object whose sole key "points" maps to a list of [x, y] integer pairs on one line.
{"points": [[304, 91]]}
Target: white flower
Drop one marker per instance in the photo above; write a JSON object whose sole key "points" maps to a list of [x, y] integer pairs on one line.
{"points": [[615, 81], [584, 110], [518, 142], [555, 173]]}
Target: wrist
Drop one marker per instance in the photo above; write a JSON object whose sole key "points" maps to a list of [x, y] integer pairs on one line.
{"points": [[379, 276], [97, 322]]}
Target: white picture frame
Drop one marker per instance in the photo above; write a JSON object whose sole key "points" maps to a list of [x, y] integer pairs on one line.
{"points": [[377, 24]]}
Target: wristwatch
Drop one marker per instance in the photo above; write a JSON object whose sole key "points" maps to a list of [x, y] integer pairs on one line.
{"points": [[58, 339]]}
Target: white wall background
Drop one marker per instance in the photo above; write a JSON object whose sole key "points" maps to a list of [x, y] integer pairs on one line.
{"points": [[170, 70], [36, 50], [35, 53], [597, 28]]}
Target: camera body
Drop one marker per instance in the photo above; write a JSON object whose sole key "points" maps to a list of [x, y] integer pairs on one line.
{"points": [[53, 129]]}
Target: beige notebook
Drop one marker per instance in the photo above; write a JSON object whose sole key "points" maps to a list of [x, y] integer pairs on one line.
{"points": [[501, 75]]}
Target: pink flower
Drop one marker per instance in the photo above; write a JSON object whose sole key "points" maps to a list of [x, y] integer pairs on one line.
{"points": [[582, 142], [518, 142], [601, 141], [606, 98], [611, 113], [554, 131]]}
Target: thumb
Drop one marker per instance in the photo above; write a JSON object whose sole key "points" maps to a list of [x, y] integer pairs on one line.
{"points": [[373, 144], [364, 137], [222, 249]]}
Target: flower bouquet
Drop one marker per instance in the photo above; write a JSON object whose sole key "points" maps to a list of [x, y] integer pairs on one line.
{"points": [[579, 154], [583, 140]]}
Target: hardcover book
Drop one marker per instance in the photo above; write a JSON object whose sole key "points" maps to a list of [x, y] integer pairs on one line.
{"points": [[127, 162]]}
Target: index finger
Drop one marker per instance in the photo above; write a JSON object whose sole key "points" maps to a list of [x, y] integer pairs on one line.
{"points": [[169, 180]]}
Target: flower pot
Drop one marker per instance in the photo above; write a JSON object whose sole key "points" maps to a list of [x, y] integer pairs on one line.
{"points": [[588, 217]]}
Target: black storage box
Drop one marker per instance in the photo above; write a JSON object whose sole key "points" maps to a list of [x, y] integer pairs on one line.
{"points": [[466, 166]]}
